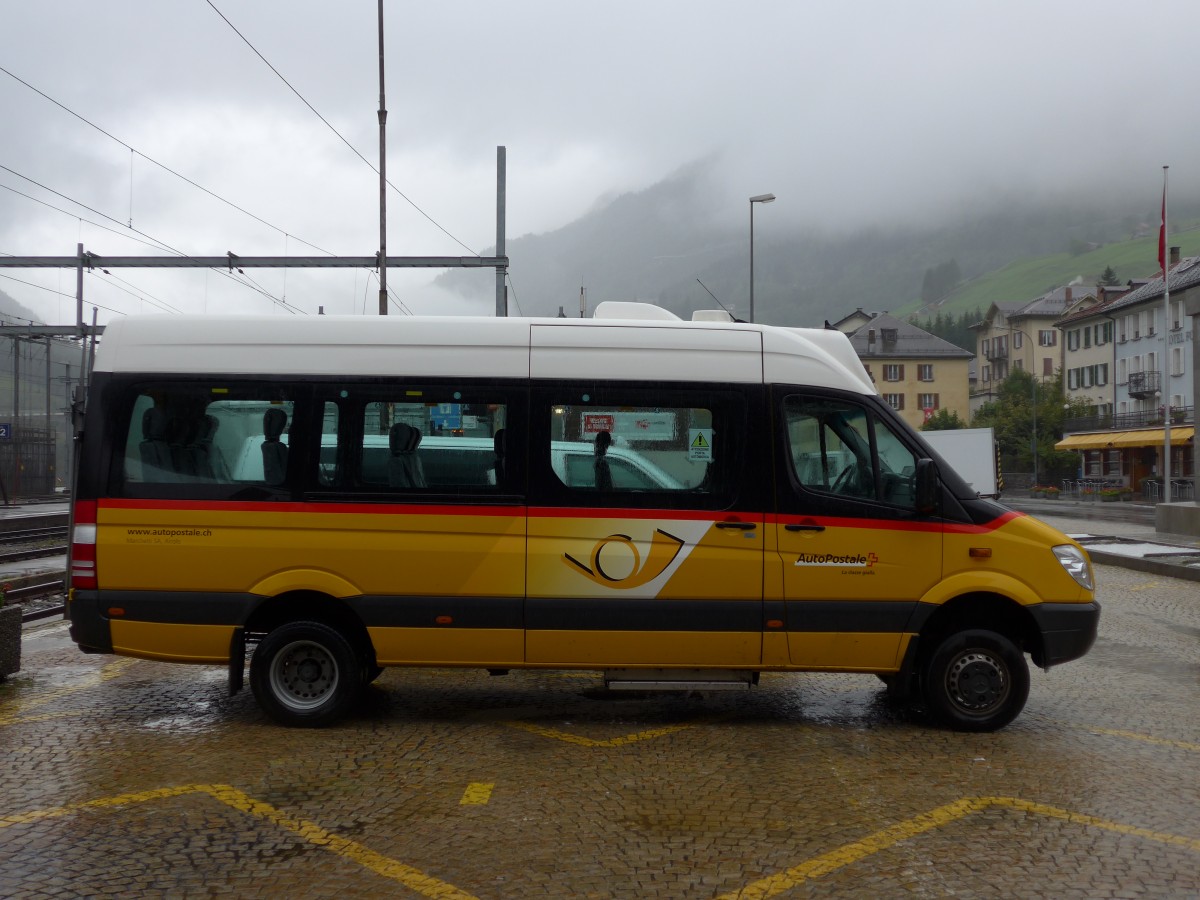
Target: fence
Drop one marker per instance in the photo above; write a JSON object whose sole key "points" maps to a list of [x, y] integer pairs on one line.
{"points": [[28, 462]]}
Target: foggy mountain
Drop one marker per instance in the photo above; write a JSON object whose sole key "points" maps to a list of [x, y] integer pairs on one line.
{"points": [[14, 313], [654, 244]]}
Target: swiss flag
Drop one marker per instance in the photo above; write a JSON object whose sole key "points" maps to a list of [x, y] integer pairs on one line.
{"points": [[1162, 236]]}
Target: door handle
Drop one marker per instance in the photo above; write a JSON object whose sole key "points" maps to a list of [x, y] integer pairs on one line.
{"points": [[804, 527], [737, 526]]}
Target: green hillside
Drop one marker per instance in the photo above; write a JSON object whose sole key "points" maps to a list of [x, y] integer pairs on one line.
{"points": [[1031, 278]]}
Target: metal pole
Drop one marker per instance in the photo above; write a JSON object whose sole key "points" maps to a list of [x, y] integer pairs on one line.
{"points": [[752, 260], [79, 290], [16, 385], [17, 431], [1166, 366], [382, 178], [1033, 382], [501, 201], [757, 198]]}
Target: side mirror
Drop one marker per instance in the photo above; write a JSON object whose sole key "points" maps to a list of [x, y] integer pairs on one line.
{"points": [[926, 486]]}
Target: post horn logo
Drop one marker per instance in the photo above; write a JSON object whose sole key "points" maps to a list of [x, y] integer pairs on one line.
{"points": [[664, 548]]}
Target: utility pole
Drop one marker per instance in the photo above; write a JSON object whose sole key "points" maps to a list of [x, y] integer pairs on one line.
{"points": [[382, 178], [501, 202]]}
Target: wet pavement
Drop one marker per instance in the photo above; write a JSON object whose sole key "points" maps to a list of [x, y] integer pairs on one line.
{"points": [[137, 778]]}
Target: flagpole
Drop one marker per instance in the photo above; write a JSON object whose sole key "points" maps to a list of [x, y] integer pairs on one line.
{"points": [[1163, 254]]}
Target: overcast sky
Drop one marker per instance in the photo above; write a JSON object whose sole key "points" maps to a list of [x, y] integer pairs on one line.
{"points": [[849, 112]]}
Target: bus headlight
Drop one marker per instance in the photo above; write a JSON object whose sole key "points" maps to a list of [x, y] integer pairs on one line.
{"points": [[1076, 563]]}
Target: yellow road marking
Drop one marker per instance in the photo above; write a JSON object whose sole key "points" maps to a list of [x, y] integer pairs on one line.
{"points": [[557, 735], [1144, 586], [41, 717], [476, 794], [1134, 736], [426, 885], [943, 815], [767, 887], [107, 673]]}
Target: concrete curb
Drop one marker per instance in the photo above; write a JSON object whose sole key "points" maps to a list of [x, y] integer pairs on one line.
{"points": [[1141, 564]]}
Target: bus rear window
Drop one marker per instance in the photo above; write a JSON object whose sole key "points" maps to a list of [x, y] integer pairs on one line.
{"points": [[191, 434]]}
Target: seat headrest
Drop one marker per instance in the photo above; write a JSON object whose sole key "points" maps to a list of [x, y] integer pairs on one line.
{"points": [[498, 442], [154, 424], [403, 438], [274, 421], [208, 428]]}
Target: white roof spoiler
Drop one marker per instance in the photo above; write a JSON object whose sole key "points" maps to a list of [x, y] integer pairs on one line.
{"points": [[624, 309], [712, 315]]}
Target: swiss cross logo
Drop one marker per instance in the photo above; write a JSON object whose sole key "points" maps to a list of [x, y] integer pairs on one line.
{"points": [[871, 559]]}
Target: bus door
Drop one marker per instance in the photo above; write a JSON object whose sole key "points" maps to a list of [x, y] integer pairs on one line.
{"points": [[645, 547], [854, 553]]}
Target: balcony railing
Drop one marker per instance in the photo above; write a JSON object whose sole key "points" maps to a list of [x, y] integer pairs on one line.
{"points": [[1127, 421], [1144, 384]]}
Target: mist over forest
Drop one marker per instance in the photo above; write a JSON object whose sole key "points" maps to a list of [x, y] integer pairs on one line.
{"points": [[673, 245], [664, 245]]}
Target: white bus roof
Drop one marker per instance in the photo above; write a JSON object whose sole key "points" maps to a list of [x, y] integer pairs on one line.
{"points": [[646, 348]]}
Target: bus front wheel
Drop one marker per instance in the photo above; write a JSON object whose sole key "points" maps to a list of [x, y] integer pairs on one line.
{"points": [[305, 674], [976, 680]]}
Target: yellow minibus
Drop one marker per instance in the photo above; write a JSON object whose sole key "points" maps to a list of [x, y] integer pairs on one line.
{"points": [[673, 504]]}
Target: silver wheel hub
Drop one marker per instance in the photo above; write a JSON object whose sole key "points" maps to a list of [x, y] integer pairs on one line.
{"points": [[303, 675], [977, 682]]}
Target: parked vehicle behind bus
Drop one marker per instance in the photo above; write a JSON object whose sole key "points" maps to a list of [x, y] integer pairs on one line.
{"points": [[673, 504]]}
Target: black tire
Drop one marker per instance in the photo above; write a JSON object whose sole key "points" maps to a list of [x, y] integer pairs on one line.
{"points": [[976, 681], [305, 674]]}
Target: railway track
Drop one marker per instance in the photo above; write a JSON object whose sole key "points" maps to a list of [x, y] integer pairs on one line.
{"points": [[38, 596], [42, 600]]}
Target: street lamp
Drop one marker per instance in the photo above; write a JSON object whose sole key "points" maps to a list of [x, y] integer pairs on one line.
{"points": [[1033, 396], [757, 198]]}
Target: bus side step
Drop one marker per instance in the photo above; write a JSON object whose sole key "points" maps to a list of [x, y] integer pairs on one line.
{"points": [[679, 680]]}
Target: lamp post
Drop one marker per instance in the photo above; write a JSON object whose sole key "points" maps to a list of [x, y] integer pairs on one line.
{"points": [[1033, 381], [757, 198]]}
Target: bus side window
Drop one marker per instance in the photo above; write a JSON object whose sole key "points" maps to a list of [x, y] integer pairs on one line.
{"points": [[189, 434], [443, 444], [642, 446]]}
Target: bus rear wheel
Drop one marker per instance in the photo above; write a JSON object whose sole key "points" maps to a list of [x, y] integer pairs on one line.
{"points": [[305, 674], [976, 680]]}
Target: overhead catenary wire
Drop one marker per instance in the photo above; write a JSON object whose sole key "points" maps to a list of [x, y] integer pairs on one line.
{"points": [[81, 219], [163, 166], [40, 287], [512, 287], [155, 242], [353, 149], [150, 241]]}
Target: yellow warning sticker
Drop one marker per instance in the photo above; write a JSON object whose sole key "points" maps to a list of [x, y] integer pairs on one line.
{"points": [[700, 444]]}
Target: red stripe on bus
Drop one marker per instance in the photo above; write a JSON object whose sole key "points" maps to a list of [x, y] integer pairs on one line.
{"points": [[412, 509], [554, 512], [895, 525], [594, 512]]}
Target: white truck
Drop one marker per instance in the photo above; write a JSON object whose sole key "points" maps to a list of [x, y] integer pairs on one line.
{"points": [[972, 454]]}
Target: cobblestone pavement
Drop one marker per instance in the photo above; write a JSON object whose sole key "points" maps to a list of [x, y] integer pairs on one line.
{"points": [[134, 778]]}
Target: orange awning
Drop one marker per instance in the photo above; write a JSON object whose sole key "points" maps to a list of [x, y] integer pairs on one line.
{"points": [[1085, 441], [1153, 437], [1142, 437]]}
